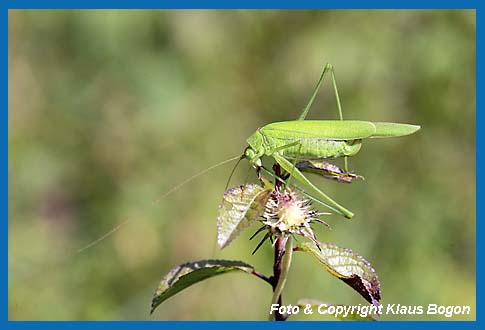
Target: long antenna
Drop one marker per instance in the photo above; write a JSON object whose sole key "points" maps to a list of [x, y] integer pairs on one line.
{"points": [[233, 170], [157, 200]]}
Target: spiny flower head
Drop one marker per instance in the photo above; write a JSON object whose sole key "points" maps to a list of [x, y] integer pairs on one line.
{"points": [[287, 212]]}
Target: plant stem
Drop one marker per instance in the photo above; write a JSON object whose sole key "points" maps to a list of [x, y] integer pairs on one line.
{"points": [[282, 261], [261, 276], [277, 172], [284, 253], [277, 268]]}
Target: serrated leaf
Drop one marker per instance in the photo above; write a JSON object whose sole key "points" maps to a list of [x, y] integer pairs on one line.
{"points": [[239, 208], [190, 273], [348, 266], [351, 315]]}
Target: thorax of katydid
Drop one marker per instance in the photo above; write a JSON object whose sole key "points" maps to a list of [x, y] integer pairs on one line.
{"points": [[256, 148]]}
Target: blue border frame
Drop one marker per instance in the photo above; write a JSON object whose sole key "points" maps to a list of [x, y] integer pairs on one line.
{"points": [[249, 4]]}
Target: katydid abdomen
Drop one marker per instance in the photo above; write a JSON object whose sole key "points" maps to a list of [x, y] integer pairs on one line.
{"points": [[312, 148]]}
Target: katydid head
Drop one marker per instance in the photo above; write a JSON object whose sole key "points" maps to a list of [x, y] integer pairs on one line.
{"points": [[253, 157], [255, 149]]}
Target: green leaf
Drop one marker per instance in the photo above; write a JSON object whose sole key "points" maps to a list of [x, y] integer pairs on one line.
{"points": [[240, 207], [347, 266], [190, 273], [349, 314]]}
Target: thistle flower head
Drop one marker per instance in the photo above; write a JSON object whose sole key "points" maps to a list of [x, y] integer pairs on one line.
{"points": [[287, 212]]}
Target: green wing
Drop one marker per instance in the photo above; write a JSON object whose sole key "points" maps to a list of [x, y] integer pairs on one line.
{"points": [[393, 129], [336, 129], [323, 129]]}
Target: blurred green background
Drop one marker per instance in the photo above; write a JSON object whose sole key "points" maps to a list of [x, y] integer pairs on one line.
{"points": [[110, 109]]}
